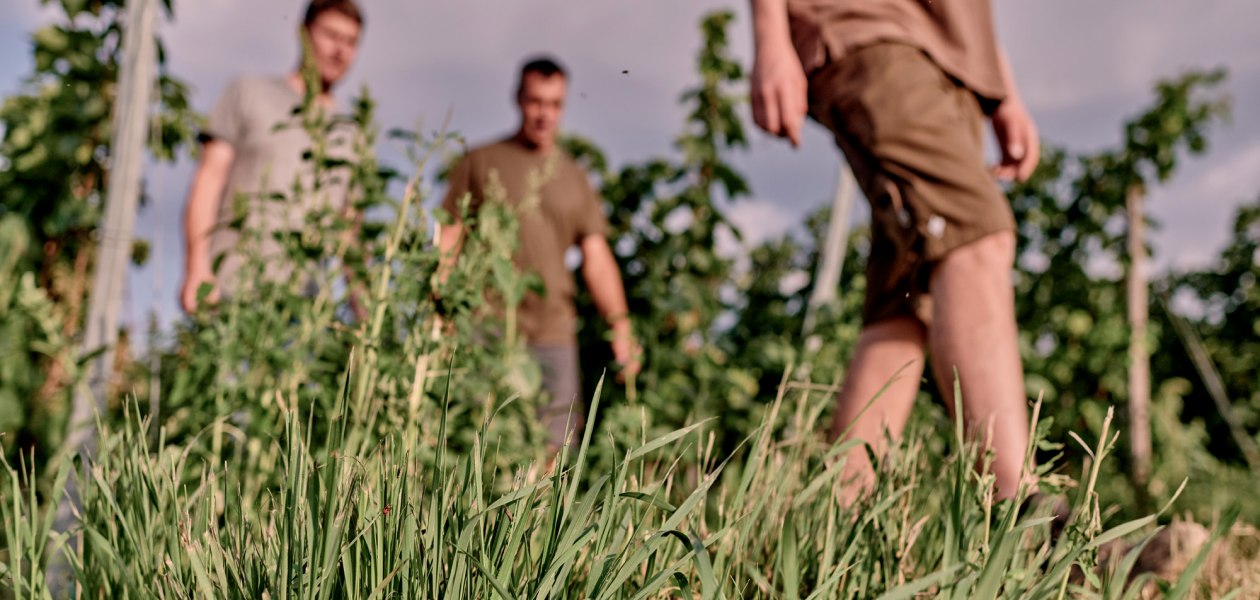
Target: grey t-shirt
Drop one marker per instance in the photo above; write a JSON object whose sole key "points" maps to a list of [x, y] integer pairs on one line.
{"points": [[256, 116]]}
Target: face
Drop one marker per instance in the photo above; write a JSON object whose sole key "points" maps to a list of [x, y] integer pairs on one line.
{"points": [[334, 42], [542, 106]]}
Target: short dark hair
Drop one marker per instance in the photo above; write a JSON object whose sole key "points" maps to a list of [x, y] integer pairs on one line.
{"points": [[346, 8], [543, 65]]}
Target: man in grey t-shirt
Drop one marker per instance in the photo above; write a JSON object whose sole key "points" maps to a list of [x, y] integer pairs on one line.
{"points": [[253, 147]]}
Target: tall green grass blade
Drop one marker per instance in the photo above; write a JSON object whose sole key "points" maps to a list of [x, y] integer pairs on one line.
{"points": [[1117, 586], [1119, 531], [649, 499], [789, 566], [485, 572], [708, 580], [912, 589]]}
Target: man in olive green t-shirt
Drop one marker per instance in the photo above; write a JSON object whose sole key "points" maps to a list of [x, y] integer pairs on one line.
{"points": [[567, 214], [905, 87]]}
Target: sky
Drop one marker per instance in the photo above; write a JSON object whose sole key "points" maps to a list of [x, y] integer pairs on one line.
{"points": [[1083, 66]]}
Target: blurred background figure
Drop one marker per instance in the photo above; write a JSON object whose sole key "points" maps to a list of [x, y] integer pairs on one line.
{"points": [[247, 155], [562, 212]]}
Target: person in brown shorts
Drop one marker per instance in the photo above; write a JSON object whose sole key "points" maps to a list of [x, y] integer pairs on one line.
{"points": [[565, 211], [905, 87]]}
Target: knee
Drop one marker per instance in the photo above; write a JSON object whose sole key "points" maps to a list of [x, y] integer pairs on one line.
{"points": [[992, 253], [907, 332]]}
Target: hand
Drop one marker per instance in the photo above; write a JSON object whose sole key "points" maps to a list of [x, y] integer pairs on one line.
{"points": [[1017, 139], [626, 351], [192, 284], [780, 93]]}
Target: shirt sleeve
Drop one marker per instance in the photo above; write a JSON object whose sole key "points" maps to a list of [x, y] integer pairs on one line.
{"points": [[460, 183], [226, 121], [591, 219]]}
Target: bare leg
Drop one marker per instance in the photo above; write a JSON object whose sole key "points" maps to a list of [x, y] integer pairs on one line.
{"points": [[973, 331], [883, 348]]}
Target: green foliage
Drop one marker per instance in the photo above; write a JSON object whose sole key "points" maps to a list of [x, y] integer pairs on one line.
{"points": [[29, 325], [1071, 261], [1072, 232], [665, 220], [1229, 297], [1197, 441], [767, 335], [54, 154]]}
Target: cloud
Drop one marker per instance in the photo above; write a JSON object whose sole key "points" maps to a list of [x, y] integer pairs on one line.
{"points": [[26, 14], [1197, 211], [16, 23], [1072, 52], [758, 221], [1241, 170]]}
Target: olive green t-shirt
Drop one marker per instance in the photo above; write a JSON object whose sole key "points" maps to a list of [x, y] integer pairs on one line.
{"points": [[959, 35], [567, 209]]}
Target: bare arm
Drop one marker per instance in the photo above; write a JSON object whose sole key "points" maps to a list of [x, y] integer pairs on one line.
{"points": [[199, 216], [779, 88], [603, 278]]}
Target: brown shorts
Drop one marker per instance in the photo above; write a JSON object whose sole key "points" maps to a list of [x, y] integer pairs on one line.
{"points": [[914, 138]]}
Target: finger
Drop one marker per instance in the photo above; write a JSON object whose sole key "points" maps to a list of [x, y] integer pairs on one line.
{"points": [[1013, 155], [1016, 146], [1015, 151], [1028, 165], [1004, 171], [793, 116], [770, 113], [758, 108], [793, 132], [1025, 170]]}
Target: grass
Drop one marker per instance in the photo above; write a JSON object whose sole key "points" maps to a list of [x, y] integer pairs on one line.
{"points": [[390, 519]]}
